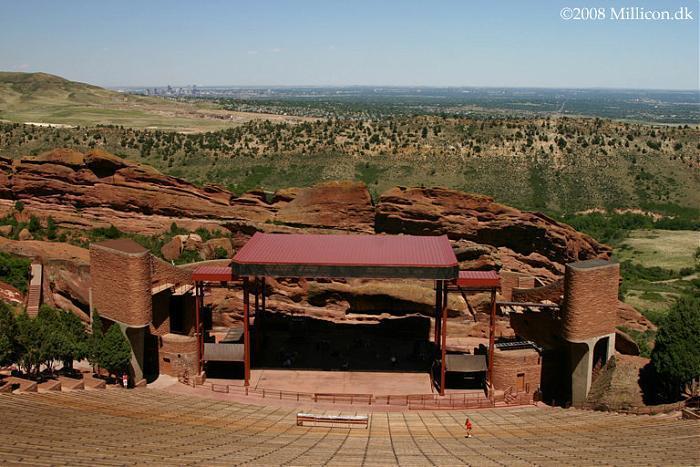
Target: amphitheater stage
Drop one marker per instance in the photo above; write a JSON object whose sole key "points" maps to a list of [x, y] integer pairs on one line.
{"points": [[336, 382], [343, 382]]}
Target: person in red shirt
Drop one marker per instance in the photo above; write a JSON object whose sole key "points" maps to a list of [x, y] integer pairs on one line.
{"points": [[468, 427]]}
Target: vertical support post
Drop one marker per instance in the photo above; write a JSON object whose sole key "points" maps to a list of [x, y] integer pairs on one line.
{"points": [[257, 297], [438, 299], [443, 343], [492, 337], [263, 294], [197, 330], [246, 334]]}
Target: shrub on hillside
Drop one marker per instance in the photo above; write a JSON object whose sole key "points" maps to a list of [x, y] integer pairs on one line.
{"points": [[14, 270]]}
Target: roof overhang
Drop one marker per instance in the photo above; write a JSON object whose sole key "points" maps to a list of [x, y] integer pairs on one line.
{"points": [[213, 274], [478, 280], [346, 256]]}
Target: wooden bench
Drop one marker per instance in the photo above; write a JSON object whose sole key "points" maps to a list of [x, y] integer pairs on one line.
{"points": [[317, 420]]}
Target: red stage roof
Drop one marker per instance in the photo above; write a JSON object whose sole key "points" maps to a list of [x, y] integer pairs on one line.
{"points": [[212, 274], [478, 279], [370, 256]]}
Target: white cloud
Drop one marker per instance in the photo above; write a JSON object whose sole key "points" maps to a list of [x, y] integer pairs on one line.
{"points": [[276, 50], [252, 52]]}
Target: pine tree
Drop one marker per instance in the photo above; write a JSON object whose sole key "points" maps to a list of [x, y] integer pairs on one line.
{"points": [[676, 354], [8, 335], [115, 351], [94, 345]]}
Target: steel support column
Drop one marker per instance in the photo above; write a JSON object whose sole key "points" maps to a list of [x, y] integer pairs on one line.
{"points": [[263, 294], [198, 330], [246, 333], [257, 297], [443, 340], [438, 310], [492, 337]]}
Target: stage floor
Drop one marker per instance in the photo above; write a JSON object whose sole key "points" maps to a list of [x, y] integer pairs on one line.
{"points": [[345, 382]]}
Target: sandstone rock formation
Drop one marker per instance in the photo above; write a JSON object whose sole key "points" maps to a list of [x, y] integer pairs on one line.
{"points": [[66, 278], [438, 211], [87, 190]]}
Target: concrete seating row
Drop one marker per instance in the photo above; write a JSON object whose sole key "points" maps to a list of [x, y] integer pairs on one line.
{"points": [[152, 426]]}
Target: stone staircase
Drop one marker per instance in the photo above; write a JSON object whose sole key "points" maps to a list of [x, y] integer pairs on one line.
{"points": [[34, 292]]}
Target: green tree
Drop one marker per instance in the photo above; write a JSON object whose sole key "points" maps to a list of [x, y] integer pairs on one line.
{"points": [[29, 339], [75, 340], [51, 228], [94, 346], [52, 342], [115, 351], [34, 224], [8, 335], [676, 354]]}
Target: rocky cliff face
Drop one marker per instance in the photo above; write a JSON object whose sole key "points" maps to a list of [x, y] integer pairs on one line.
{"points": [[463, 216], [96, 189]]}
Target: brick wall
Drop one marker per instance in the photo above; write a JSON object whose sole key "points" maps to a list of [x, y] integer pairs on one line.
{"points": [[178, 353], [511, 280], [590, 299], [121, 283], [165, 272], [507, 364]]}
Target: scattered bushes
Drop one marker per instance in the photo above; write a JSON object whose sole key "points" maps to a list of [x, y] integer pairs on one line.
{"points": [[14, 270]]}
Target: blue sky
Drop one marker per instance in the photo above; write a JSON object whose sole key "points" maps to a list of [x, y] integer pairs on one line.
{"points": [[408, 43]]}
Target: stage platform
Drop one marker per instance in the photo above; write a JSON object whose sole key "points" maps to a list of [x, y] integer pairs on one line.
{"points": [[338, 382]]}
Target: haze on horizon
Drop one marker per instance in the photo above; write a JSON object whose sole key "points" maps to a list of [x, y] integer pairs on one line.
{"points": [[316, 43]]}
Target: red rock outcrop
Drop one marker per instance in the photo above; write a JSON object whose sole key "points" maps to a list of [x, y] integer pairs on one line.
{"points": [[66, 277], [441, 211], [96, 189], [340, 205]]}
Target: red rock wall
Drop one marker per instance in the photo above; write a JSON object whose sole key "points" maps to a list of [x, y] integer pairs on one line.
{"points": [[590, 299], [507, 364], [551, 292], [121, 285]]}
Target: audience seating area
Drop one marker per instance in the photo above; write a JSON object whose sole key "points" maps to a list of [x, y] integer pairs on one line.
{"points": [[151, 426]]}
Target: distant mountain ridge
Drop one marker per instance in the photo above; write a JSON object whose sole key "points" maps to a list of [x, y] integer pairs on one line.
{"points": [[51, 100]]}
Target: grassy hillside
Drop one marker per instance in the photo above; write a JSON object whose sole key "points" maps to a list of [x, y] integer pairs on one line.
{"points": [[554, 165], [48, 99]]}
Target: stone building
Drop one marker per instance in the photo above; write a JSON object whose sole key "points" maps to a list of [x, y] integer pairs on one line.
{"points": [[150, 300], [571, 321], [565, 330]]}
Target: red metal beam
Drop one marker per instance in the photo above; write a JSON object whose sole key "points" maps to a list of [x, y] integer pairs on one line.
{"points": [[246, 334]]}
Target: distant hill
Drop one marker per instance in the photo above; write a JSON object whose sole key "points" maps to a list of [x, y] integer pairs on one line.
{"points": [[47, 99]]}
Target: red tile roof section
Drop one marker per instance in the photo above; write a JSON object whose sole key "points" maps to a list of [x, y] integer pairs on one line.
{"points": [[478, 279], [348, 250], [212, 274]]}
